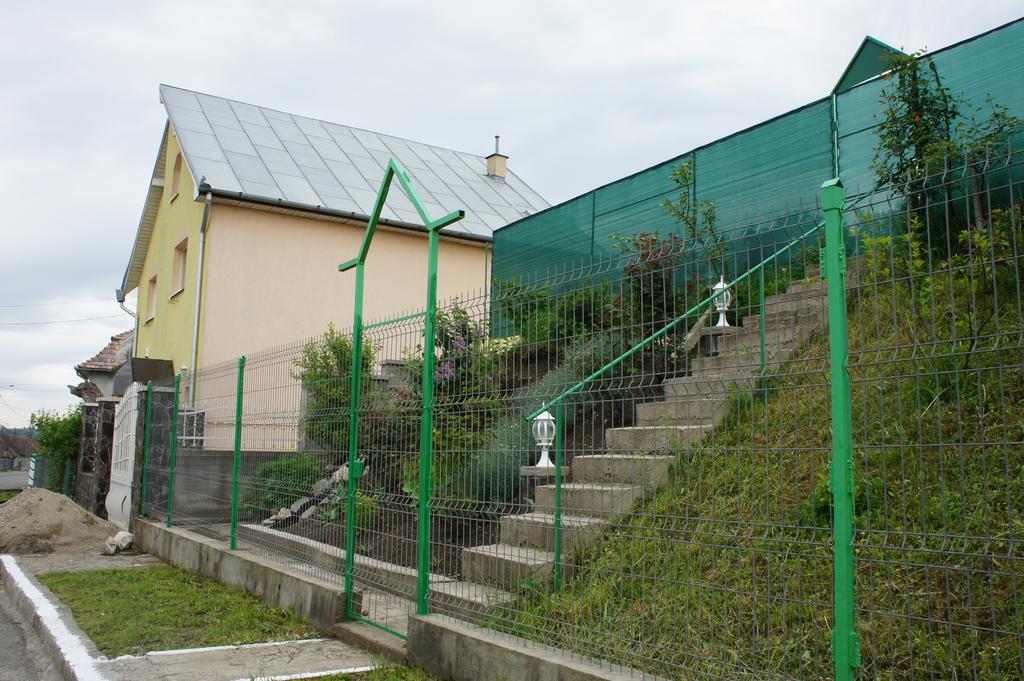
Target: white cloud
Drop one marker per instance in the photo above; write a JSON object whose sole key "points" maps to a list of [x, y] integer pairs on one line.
{"points": [[582, 92]]}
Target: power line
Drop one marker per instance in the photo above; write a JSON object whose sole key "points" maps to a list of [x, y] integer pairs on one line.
{"points": [[13, 411], [61, 302], [60, 321]]}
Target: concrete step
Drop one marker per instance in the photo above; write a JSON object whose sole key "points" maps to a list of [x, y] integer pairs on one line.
{"points": [[648, 470], [775, 321], [687, 411], [602, 500], [711, 385], [747, 359], [818, 286], [505, 566], [777, 336], [639, 439], [806, 296], [538, 531]]}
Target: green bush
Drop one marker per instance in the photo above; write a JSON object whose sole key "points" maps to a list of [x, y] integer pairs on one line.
{"points": [[547, 321], [58, 441], [278, 484], [367, 507], [492, 476], [325, 371]]}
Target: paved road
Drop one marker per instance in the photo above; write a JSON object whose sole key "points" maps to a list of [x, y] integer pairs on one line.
{"points": [[21, 652], [13, 479]]}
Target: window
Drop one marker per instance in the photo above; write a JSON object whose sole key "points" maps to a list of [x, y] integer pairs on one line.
{"points": [[175, 178], [151, 299], [180, 261]]}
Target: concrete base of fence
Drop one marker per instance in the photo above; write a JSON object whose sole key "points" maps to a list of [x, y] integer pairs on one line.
{"points": [[315, 600], [463, 652]]}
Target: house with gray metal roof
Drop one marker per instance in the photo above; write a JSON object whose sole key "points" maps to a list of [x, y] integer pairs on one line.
{"points": [[249, 210]]}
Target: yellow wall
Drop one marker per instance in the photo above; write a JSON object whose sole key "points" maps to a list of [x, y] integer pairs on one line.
{"points": [[169, 334], [273, 279]]}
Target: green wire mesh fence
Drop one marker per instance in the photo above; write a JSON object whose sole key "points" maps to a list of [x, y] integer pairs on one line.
{"points": [[687, 527]]}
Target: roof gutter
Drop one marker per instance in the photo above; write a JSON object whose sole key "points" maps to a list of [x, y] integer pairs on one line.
{"points": [[335, 213], [203, 224]]}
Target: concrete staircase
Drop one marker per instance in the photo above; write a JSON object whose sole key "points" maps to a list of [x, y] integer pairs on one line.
{"points": [[636, 460]]}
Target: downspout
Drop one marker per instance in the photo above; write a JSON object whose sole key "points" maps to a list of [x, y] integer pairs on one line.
{"points": [[119, 296], [199, 292]]}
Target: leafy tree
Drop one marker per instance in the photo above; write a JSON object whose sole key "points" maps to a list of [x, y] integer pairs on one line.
{"points": [[58, 441], [698, 218], [919, 116], [922, 133]]}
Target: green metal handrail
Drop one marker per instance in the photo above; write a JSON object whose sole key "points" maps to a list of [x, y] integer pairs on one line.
{"points": [[671, 325]]}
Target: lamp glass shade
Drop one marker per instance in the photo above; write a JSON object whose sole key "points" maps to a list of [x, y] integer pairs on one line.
{"points": [[544, 429], [723, 301]]}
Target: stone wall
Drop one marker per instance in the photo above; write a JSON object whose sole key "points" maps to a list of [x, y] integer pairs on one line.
{"points": [[92, 481], [159, 457]]}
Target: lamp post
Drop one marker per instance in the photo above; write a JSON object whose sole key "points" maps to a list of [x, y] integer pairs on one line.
{"points": [[544, 433], [722, 302]]}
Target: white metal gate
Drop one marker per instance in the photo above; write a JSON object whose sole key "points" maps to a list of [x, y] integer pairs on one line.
{"points": [[122, 459]]}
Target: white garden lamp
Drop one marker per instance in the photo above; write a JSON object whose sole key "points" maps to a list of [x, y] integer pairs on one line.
{"points": [[544, 433], [722, 302]]}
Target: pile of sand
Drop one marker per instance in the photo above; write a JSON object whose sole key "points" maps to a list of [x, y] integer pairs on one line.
{"points": [[39, 521]]}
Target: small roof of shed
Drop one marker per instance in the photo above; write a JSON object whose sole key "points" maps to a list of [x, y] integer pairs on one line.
{"points": [[112, 356]]}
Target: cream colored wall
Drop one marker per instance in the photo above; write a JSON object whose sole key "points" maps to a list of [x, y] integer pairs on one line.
{"points": [[273, 279], [169, 334]]}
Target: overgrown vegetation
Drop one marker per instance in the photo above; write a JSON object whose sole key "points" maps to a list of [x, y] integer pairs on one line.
{"points": [[59, 435], [923, 133], [325, 371], [727, 570], [279, 483], [133, 611]]}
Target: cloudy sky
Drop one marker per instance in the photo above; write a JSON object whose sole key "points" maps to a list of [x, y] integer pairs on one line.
{"points": [[581, 92]]}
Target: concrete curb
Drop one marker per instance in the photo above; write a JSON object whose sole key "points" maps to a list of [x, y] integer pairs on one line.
{"points": [[63, 641], [459, 651]]}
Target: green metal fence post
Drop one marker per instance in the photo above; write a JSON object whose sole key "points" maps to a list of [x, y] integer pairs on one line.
{"points": [[559, 433], [396, 172], [760, 323], [145, 448], [427, 434], [174, 451], [237, 463], [845, 638], [353, 444]]}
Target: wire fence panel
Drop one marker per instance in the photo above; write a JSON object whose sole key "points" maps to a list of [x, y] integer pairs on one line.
{"points": [[936, 363], [383, 503], [677, 528], [632, 457]]}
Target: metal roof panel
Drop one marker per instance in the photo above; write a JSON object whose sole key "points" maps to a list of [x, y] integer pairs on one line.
{"points": [[271, 154]]}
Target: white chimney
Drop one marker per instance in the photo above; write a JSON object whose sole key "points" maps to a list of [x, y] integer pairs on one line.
{"points": [[497, 163]]}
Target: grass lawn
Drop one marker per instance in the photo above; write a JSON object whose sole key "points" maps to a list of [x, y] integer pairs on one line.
{"points": [[131, 611], [8, 494]]}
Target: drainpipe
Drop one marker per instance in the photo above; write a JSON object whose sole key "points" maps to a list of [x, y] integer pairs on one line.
{"points": [[119, 296], [204, 223]]}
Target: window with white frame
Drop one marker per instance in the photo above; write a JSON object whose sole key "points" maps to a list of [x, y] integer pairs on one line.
{"points": [[151, 299], [180, 262]]}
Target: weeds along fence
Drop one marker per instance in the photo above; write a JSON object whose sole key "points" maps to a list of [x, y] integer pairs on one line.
{"points": [[823, 480]]}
